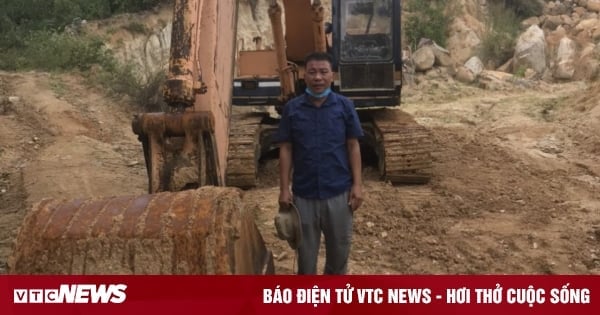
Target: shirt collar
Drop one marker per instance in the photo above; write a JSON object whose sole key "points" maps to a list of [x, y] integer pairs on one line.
{"points": [[330, 100]]}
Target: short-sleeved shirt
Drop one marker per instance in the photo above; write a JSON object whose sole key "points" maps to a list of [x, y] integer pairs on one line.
{"points": [[318, 135]]}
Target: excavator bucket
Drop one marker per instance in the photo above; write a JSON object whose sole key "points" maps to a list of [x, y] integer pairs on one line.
{"points": [[203, 231]]}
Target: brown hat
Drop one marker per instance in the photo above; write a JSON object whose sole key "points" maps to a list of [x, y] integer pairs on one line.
{"points": [[287, 223]]}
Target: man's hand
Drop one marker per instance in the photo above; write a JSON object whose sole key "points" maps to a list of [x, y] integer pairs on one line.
{"points": [[285, 198], [355, 199]]}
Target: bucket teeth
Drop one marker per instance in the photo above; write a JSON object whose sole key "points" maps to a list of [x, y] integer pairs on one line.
{"points": [[190, 232]]}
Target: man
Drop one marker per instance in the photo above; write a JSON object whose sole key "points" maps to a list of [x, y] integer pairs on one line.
{"points": [[318, 140]]}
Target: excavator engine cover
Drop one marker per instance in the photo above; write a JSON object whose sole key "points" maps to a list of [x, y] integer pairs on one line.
{"points": [[203, 231]]}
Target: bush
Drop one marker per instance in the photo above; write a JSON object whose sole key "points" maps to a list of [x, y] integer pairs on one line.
{"points": [[56, 14], [426, 20], [32, 37], [497, 45], [49, 51], [136, 28]]}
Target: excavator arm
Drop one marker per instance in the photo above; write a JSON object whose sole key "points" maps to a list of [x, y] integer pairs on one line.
{"points": [[187, 147]]}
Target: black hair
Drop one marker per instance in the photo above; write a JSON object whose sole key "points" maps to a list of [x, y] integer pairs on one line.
{"points": [[319, 56]]}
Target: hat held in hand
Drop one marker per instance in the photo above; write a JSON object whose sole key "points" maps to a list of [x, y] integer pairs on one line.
{"points": [[287, 223]]}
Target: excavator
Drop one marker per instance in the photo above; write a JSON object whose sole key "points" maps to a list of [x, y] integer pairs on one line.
{"points": [[363, 38], [200, 152], [187, 223]]}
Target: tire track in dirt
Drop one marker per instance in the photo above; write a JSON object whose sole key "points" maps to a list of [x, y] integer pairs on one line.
{"points": [[62, 140]]}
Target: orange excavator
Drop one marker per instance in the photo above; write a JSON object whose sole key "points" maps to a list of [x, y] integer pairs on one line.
{"points": [[363, 36], [186, 224]]}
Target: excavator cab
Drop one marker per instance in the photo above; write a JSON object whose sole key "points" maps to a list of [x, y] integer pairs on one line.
{"points": [[366, 51], [363, 38]]}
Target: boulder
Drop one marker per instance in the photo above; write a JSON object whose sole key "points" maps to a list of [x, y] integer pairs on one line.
{"points": [[464, 37], [593, 5], [530, 51], [463, 74], [475, 65], [565, 59], [424, 58], [442, 56]]}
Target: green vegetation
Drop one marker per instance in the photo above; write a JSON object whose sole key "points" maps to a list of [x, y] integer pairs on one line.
{"points": [[544, 109], [426, 20], [504, 17], [46, 35], [57, 85], [497, 45], [20, 17], [50, 50], [136, 27], [520, 72]]}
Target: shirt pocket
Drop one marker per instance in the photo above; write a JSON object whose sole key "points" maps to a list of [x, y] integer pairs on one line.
{"points": [[302, 128], [336, 128]]}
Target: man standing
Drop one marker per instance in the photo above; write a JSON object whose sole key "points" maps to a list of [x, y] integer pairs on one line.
{"points": [[318, 141]]}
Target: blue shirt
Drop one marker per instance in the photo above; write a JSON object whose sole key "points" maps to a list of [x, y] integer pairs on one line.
{"points": [[321, 168]]}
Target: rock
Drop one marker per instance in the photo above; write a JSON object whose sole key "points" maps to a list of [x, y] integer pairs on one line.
{"points": [[557, 8], [424, 58], [588, 26], [565, 58], [463, 74], [593, 5], [475, 65], [552, 22], [442, 56], [587, 69], [494, 80], [550, 145], [534, 20], [530, 51], [464, 36]]}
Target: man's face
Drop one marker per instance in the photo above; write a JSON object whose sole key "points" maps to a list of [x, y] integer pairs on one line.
{"points": [[318, 75]]}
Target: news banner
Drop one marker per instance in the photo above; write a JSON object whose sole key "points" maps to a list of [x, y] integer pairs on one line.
{"points": [[287, 295]]}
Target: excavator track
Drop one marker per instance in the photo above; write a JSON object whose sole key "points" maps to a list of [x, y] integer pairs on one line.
{"points": [[244, 150], [405, 147]]}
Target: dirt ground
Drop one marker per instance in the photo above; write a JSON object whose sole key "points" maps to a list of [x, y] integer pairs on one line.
{"points": [[516, 185]]}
